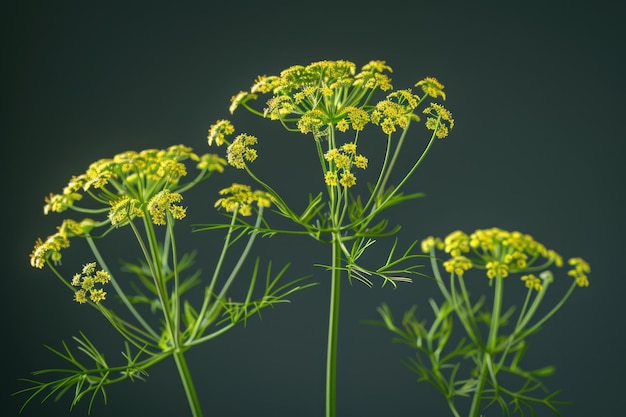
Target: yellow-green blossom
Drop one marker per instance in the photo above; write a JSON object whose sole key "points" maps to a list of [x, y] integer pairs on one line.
{"points": [[239, 197], [431, 242], [89, 268], [330, 178], [211, 162], [497, 268], [124, 210], [165, 202], [458, 264], [357, 117], [87, 280], [218, 132], [440, 120], [432, 87], [580, 271], [501, 252], [360, 161], [60, 202], [134, 177], [396, 110], [456, 243], [50, 249], [321, 94], [240, 99], [239, 151], [340, 161], [312, 121], [532, 281], [347, 179]]}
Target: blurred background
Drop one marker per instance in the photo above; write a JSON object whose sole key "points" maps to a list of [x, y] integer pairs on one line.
{"points": [[536, 90]]}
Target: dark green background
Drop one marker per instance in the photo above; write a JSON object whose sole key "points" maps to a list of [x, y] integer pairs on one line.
{"points": [[537, 93]]}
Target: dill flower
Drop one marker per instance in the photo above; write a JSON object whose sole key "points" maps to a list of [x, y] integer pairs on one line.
{"points": [[60, 202], [458, 264], [340, 161], [579, 272], [432, 87], [239, 197], [532, 281], [239, 151], [50, 249], [389, 114], [330, 178], [320, 94], [133, 175], [239, 99], [124, 210], [164, 202], [211, 162], [501, 253], [497, 268], [431, 242], [456, 243], [87, 281], [440, 120], [119, 189], [218, 132], [347, 179]]}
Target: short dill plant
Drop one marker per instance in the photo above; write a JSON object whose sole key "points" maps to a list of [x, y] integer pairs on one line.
{"points": [[472, 350], [141, 193]]}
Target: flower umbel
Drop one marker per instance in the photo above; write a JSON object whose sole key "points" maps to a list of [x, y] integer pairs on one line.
{"points": [[50, 249], [165, 202], [240, 151], [579, 272], [88, 282], [500, 252], [239, 197]]}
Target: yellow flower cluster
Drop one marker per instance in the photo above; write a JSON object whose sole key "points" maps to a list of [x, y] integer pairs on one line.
{"points": [[432, 87], [130, 184], [240, 151], [340, 162], [165, 202], [50, 249], [500, 253], [580, 271], [440, 120], [88, 280], [239, 198], [218, 132], [124, 210], [333, 93], [395, 110], [137, 175]]}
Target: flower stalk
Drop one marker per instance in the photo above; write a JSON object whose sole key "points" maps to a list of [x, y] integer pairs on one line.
{"points": [[333, 103]]}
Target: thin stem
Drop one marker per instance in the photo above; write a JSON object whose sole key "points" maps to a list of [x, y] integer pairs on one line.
{"points": [[490, 348], [175, 292], [394, 158], [209, 291], [120, 291], [235, 270], [188, 385], [333, 329]]}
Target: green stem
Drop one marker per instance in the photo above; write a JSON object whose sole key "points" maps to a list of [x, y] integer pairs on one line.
{"points": [[235, 270], [394, 158], [120, 291], [190, 389], [333, 330], [490, 347], [208, 294]]}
